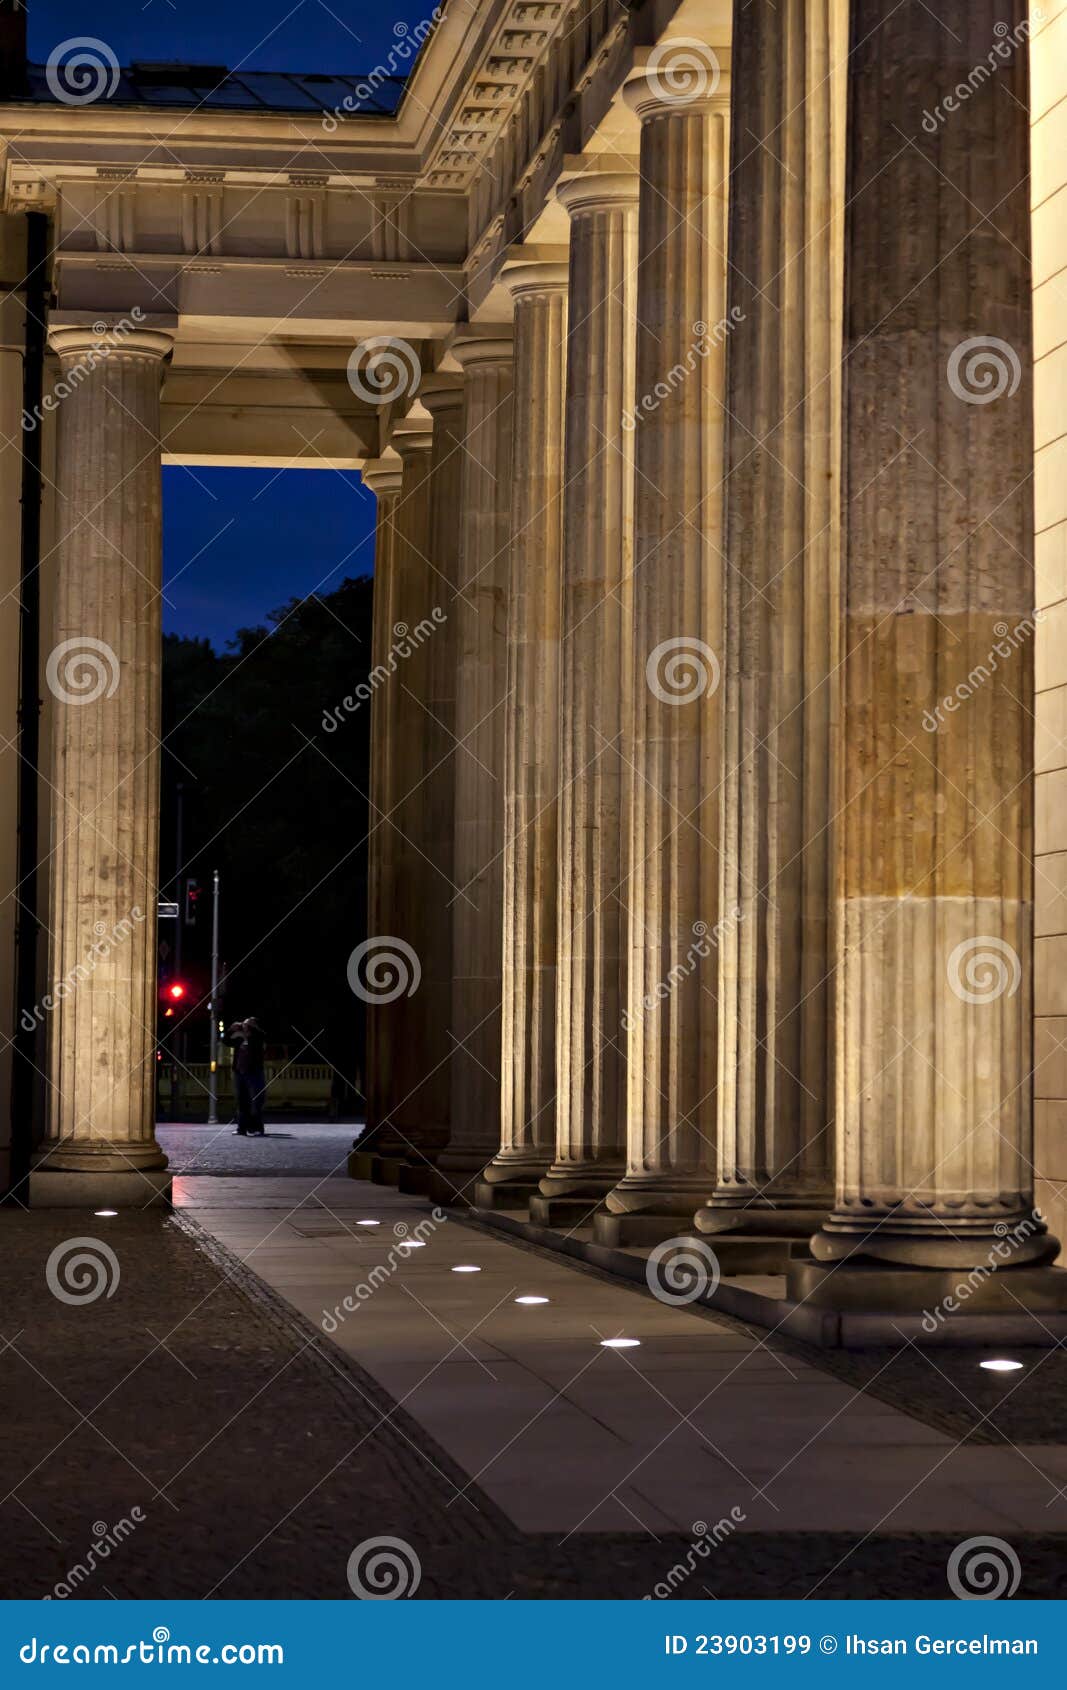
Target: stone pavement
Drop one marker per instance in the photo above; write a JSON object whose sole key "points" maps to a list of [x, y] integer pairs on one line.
{"points": [[289, 1147], [499, 1441]]}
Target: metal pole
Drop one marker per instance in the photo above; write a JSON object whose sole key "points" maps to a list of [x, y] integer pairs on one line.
{"points": [[213, 1074]]}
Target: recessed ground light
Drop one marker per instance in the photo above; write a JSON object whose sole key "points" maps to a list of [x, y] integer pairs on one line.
{"points": [[531, 1299], [368, 1223], [1000, 1364], [412, 1244], [619, 1343], [105, 1211], [466, 1267]]}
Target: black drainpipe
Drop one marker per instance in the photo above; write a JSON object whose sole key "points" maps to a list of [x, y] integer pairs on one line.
{"points": [[27, 924]]}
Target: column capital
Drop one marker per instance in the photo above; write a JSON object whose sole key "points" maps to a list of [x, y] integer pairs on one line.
{"points": [[523, 277], [597, 182], [491, 345], [383, 475], [102, 340], [679, 76], [440, 391], [411, 437]]}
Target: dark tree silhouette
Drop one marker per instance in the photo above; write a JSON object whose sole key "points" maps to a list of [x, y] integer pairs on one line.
{"points": [[280, 807]]}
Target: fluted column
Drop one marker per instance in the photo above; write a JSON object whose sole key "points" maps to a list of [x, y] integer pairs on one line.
{"points": [[531, 762], [678, 419], [776, 1135], [481, 688], [433, 747], [596, 693], [384, 477], [104, 672], [934, 940]]}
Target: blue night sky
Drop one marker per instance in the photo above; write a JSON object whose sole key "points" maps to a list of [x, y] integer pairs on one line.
{"points": [[239, 542]]}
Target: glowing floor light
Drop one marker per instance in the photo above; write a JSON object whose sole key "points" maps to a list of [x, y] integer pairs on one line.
{"points": [[619, 1343], [1001, 1364]]}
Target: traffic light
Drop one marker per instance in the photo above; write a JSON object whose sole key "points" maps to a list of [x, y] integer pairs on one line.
{"points": [[192, 900], [171, 994]]}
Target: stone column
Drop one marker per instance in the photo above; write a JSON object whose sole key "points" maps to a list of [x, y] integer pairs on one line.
{"points": [[485, 357], [678, 426], [432, 750], [384, 477], [934, 941], [103, 670], [531, 764], [596, 695], [775, 1136]]}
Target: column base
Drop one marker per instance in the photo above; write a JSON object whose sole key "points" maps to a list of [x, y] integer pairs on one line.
{"points": [[582, 1179], [872, 1304], [966, 1243], [107, 1188], [562, 1211], [736, 1255], [664, 1194], [504, 1194], [760, 1220], [369, 1165]]}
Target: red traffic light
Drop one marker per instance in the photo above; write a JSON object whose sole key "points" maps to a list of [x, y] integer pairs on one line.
{"points": [[176, 990]]}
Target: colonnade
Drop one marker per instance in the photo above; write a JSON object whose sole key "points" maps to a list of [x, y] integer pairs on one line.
{"points": [[703, 915], [733, 909]]}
